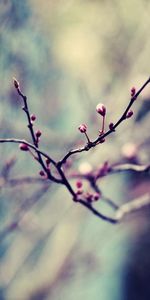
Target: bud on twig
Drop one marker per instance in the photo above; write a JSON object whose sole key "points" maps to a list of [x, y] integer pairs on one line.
{"points": [[111, 126], [41, 173], [101, 109], [133, 91], [23, 147], [79, 184], [16, 83], [82, 128], [129, 114], [33, 117], [38, 133], [96, 196]]}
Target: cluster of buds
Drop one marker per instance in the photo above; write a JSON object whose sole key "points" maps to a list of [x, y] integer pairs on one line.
{"points": [[101, 109], [92, 197], [79, 186], [89, 197]]}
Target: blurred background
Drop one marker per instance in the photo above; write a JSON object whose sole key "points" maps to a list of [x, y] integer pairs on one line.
{"points": [[69, 55]]}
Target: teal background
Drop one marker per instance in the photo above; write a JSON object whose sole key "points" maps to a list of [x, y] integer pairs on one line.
{"points": [[69, 55]]}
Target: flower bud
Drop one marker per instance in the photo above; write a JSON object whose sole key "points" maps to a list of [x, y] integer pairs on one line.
{"points": [[47, 161], [129, 114], [79, 192], [38, 133], [102, 141], [111, 126], [101, 109], [133, 91], [23, 147], [79, 184], [41, 173], [33, 117], [96, 196], [82, 128], [16, 83]]}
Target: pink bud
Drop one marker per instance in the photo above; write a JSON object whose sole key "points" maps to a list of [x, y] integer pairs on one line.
{"points": [[82, 128], [23, 147], [102, 141], [38, 133], [79, 192], [16, 83], [89, 197], [96, 196], [129, 114], [111, 125], [79, 184], [41, 173], [33, 117], [47, 161], [133, 91], [101, 109]]}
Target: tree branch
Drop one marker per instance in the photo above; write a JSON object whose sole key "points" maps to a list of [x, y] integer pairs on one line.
{"points": [[122, 211]]}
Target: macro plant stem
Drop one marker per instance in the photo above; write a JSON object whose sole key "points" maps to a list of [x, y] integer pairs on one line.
{"points": [[101, 137], [58, 165]]}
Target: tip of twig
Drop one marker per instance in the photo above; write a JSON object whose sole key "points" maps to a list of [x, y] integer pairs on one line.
{"points": [[16, 83]]}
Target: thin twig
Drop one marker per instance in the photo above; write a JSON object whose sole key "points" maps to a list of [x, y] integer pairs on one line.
{"points": [[101, 137], [123, 210], [18, 141], [120, 212], [130, 167]]}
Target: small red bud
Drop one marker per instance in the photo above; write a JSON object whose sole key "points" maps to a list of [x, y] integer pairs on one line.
{"points": [[102, 141], [111, 126], [38, 133], [47, 161], [16, 83], [129, 114], [33, 117], [89, 197], [82, 128], [101, 109], [41, 173], [79, 192], [79, 184], [23, 147], [96, 196], [133, 91]]}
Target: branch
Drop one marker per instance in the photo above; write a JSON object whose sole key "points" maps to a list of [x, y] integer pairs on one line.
{"points": [[18, 141], [87, 200], [104, 135], [130, 167], [123, 210]]}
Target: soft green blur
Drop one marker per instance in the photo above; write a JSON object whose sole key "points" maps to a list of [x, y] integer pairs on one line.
{"points": [[69, 55]]}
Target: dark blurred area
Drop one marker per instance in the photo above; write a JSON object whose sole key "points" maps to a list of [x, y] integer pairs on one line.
{"points": [[69, 55]]}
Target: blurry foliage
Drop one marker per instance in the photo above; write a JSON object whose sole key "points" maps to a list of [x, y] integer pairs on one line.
{"points": [[69, 55]]}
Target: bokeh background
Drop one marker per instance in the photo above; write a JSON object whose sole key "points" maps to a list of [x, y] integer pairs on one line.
{"points": [[69, 55]]}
